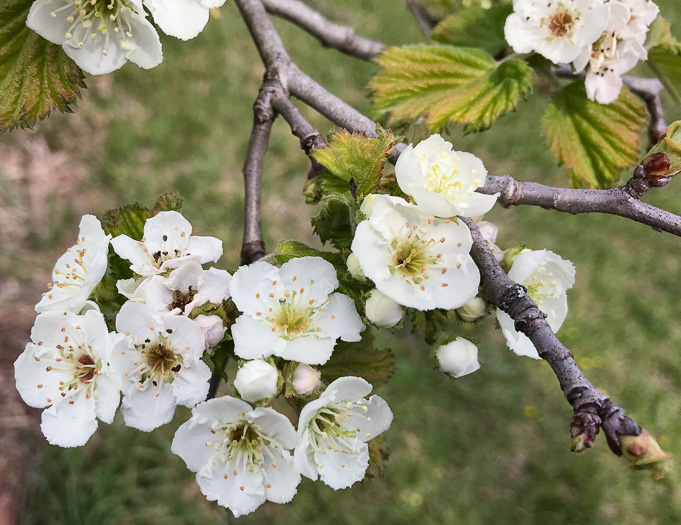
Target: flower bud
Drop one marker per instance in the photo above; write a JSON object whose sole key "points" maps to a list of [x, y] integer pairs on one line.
{"points": [[656, 166], [670, 147], [213, 328], [306, 379], [354, 268], [488, 230], [367, 204], [256, 380], [457, 358], [382, 310], [473, 310], [644, 452]]}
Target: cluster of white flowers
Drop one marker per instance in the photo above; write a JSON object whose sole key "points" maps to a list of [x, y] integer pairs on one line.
{"points": [[102, 35], [605, 36]]}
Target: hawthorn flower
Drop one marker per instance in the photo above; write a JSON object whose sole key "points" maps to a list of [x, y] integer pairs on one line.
{"points": [[306, 379], [382, 310], [241, 455], [457, 358], [256, 380], [183, 19], [556, 29], [163, 369], [99, 35], [79, 270], [333, 431], [414, 258], [167, 244], [292, 311], [213, 328], [65, 369], [443, 181], [547, 278]]}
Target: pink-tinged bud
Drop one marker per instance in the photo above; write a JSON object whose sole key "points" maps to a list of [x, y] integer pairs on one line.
{"points": [[656, 166], [213, 328], [669, 147], [645, 453], [306, 379]]}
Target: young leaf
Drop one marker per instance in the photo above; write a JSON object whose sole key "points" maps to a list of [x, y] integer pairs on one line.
{"points": [[129, 220], [595, 141], [475, 27], [354, 157], [335, 222], [445, 84], [360, 359], [36, 76], [664, 56], [287, 250]]}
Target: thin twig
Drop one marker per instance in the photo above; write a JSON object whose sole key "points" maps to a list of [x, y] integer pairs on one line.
{"points": [[342, 38], [649, 89], [622, 201], [423, 18], [309, 137], [592, 409]]}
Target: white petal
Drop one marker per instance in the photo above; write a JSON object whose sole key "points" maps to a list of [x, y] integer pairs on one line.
{"points": [[192, 382], [214, 284], [339, 470], [304, 458], [185, 276], [167, 231], [144, 49], [183, 19], [37, 386], [190, 444], [227, 490], [275, 425], [308, 349], [225, 409], [349, 388], [283, 479], [313, 274], [376, 420], [371, 250], [139, 320], [254, 339], [69, 425], [144, 410], [515, 340], [252, 285], [184, 335], [51, 28], [107, 395], [157, 296], [209, 249], [91, 57], [520, 36], [132, 250], [346, 323]]}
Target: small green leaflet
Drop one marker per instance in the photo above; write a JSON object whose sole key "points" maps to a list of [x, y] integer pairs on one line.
{"points": [[129, 220], [446, 84], [664, 57], [595, 141], [335, 222], [475, 27], [36, 76]]}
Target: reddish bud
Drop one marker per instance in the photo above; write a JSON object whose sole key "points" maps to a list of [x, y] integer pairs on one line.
{"points": [[656, 166], [645, 453]]}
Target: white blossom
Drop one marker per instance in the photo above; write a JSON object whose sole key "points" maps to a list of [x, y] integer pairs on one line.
{"points": [[66, 368], [354, 268], [489, 233], [183, 19], [547, 278], [291, 312], [213, 328], [333, 431], [382, 310], [167, 244], [457, 358], [99, 35], [163, 369], [306, 379], [473, 310], [79, 270], [414, 258], [556, 29], [443, 181], [256, 380], [241, 455]]}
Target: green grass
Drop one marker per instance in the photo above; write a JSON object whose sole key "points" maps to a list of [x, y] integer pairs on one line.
{"points": [[490, 448]]}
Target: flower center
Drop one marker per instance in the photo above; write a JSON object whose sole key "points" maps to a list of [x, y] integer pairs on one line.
{"points": [[561, 23], [540, 286], [72, 273], [295, 316], [160, 362], [95, 19], [412, 256], [182, 299], [75, 361], [446, 179]]}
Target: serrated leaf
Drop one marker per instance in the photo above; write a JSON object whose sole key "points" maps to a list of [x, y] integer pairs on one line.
{"points": [[430, 323], [595, 141], [664, 56], [354, 157], [36, 76], [445, 84], [129, 220], [360, 359], [475, 27], [379, 453], [335, 222], [660, 35]]}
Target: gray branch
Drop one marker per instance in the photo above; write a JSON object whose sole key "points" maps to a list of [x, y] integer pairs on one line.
{"points": [[648, 90], [593, 410], [423, 18], [622, 201], [342, 38]]}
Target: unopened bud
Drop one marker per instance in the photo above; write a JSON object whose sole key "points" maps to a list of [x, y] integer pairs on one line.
{"points": [[382, 310], [256, 380], [457, 358], [656, 166], [213, 328], [367, 204], [645, 453], [473, 310], [306, 379], [354, 268], [670, 147]]}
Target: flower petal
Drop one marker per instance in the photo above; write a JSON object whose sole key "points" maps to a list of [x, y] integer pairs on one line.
{"points": [[309, 349], [70, 425], [192, 382], [183, 19], [144, 410], [255, 340], [252, 285]]}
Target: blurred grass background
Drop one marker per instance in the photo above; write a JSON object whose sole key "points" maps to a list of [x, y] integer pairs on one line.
{"points": [[490, 448]]}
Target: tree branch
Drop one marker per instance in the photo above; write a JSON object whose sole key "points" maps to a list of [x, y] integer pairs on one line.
{"points": [[648, 90], [593, 410], [423, 18], [622, 201], [342, 38]]}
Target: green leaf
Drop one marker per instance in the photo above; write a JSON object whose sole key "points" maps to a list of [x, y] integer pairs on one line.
{"points": [[664, 57], [129, 220], [430, 323], [36, 76], [595, 141], [360, 359], [287, 250], [475, 27], [335, 222], [106, 293], [379, 453], [445, 84], [353, 156]]}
